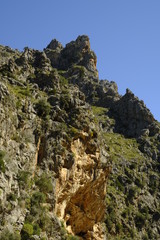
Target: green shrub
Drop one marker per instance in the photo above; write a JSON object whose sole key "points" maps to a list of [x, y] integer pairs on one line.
{"points": [[132, 233], [109, 224], [80, 69], [37, 198], [2, 165], [45, 222], [11, 197], [119, 228], [20, 92], [140, 220], [99, 111], [119, 185], [71, 237], [28, 203], [73, 131], [153, 184], [36, 229], [127, 212], [63, 81], [27, 231], [43, 108], [128, 148], [131, 193], [133, 165], [139, 183], [25, 91], [65, 100], [18, 104], [145, 211], [32, 76], [145, 237], [44, 183], [6, 235], [111, 212], [150, 234], [23, 178]]}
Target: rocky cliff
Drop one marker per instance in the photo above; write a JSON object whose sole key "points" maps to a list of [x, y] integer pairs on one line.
{"points": [[77, 159]]}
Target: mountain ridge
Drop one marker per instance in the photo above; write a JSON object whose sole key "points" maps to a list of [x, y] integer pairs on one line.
{"points": [[65, 135]]}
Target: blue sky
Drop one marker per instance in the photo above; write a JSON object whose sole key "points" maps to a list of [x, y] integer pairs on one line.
{"points": [[125, 35]]}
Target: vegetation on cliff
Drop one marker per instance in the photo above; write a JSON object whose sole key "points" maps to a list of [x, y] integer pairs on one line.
{"points": [[77, 160]]}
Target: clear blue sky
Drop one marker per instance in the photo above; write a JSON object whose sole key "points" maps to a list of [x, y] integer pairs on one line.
{"points": [[125, 35]]}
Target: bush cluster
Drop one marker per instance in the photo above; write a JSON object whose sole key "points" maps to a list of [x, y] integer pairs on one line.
{"points": [[44, 183], [2, 165], [43, 108]]}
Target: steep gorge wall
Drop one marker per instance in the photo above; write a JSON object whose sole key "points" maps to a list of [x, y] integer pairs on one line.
{"points": [[55, 154], [52, 166]]}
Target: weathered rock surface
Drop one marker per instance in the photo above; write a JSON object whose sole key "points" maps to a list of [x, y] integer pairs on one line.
{"points": [[133, 116], [81, 191], [76, 52], [77, 160]]}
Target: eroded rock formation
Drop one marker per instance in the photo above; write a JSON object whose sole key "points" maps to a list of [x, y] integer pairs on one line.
{"points": [[77, 160], [81, 190]]}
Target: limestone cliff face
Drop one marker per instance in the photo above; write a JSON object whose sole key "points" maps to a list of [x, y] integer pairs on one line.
{"points": [[17, 143], [81, 191], [51, 157], [77, 160]]}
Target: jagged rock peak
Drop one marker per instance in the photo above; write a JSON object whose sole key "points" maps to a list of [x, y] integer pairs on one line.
{"points": [[134, 115], [55, 45], [109, 86], [76, 52], [82, 42], [129, 92]]}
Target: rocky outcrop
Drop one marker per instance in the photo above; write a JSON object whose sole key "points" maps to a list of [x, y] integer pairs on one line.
{"points": [[77, 160], [53, 51], [56, 155], [133, 115], [19, 148], [76, 52]]}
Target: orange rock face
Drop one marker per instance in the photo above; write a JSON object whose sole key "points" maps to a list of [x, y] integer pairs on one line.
{"points": [[81, 193]]}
